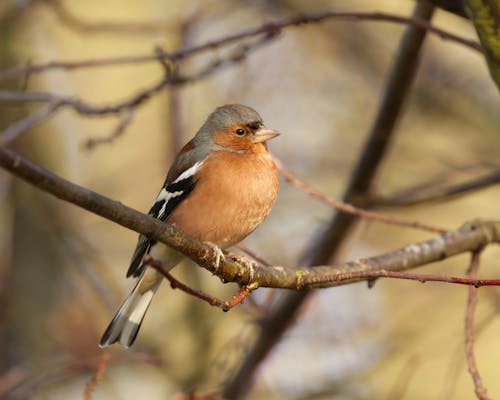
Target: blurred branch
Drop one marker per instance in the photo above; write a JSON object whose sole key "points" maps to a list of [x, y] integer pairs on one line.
{"points": [[57, 372], [411, 197], [16, 129], [126, 107], [403, 381], [268, 29], [10, 379], [123, 123], [252, 254], [76, 23], [453, 6], [325, 244], [243, 293], [468, 238], [469, 330], [92, 383], [14, 10], [349, 208], [236, 56], [485, 14]]}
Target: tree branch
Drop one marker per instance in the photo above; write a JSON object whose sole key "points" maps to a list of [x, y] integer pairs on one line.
{"points": [[236, 56], [350, 209], [270, 28], [470, 237], [85, 27], [10, 133], [414, 196], [469, 330], [324, 245]]}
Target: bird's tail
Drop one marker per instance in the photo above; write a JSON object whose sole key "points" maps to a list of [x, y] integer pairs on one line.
{"points": [[125, 325]]}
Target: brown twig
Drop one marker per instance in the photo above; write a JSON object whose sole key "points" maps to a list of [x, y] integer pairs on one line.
{"points": [[271, 28], [406, 374], [123, 123], [469, 330], [225, 305], [57, 372], [253, 255], [236, 56], [349, 208], [324, 245], [422, 278], [413, 197], [176, 126], [14, 130], [10, 379], [468, 238], [92, 383], [72, 21]]}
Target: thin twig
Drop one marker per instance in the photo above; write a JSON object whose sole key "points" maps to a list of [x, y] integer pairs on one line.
{"points": [[238, 55], [422, 278], [400, 387], [323, 246], [253, 255], [124, 122], [469, 330], [225, 305], [92, 383], [268, 28], [10, 379], [55, 372], [349, 208], [14, 130], [469, 237], [406, 198], [72, 21]]}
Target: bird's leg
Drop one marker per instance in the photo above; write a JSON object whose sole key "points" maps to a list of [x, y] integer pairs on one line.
{"points": [[219, 255]]}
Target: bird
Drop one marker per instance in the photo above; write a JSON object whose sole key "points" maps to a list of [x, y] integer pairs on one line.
{"points": [[221, 186]]}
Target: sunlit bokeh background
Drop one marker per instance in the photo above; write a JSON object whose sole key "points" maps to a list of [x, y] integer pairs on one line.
{"points": [[63, 269]]}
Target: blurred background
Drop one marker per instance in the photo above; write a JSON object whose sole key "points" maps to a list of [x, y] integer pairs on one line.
{"points": [[62, 269]]}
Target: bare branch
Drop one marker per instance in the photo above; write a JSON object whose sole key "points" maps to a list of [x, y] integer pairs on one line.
{"points": [[412, 197], [76, 23], [13, 131], [323, 246], [469, 330], [124, 122], [236, 56], [252, 254], [271, 28], [237, 299], [468, 238], [349, 208], [55, 372], [92, 383], [453, 6]]}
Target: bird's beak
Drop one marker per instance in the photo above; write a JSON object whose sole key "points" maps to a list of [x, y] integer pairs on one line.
{"points": [[263, 135]]}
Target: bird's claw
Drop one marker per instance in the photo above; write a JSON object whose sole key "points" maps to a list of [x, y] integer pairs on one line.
{"points": [[246, 262], [219, 255]]}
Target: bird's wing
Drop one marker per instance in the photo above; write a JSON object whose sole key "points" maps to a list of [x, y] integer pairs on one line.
{"points": [[179, 184]]}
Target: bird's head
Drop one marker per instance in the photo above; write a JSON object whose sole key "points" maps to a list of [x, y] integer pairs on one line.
{"points": [[236, 127]]}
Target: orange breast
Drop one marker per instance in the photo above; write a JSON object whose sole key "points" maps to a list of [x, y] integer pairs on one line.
{"points": [[227, 204]]}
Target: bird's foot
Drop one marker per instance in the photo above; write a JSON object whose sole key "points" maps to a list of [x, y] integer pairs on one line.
{"points": [[249, 264], [219, 255]]}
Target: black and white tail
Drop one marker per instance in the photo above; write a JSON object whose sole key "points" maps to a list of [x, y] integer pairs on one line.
{"points": [[125, 325]]}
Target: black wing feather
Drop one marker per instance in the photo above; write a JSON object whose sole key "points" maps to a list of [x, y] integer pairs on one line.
{"points": [[184, 188]]}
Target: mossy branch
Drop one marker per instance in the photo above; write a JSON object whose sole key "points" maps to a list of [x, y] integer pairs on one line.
{"points": [[468, 238]]}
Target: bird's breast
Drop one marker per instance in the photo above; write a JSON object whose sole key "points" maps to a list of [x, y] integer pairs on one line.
{"points": [[232, 196]]}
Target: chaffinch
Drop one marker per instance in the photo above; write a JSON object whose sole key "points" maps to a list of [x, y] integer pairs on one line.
{"points": [[220, 187]]}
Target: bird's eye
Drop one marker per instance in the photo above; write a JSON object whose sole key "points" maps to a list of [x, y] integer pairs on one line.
{"points": [[240, 131]]}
